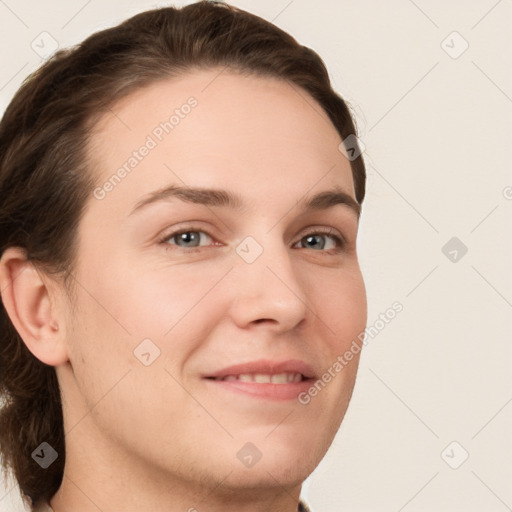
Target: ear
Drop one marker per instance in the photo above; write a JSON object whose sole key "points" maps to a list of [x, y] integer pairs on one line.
{"points": [[31, 308]]}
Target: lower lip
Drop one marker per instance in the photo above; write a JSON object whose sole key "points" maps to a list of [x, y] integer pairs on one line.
{"points": [[268, 391]]}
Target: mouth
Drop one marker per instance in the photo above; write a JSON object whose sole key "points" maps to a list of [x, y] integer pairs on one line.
{"points": [[264, 379]]}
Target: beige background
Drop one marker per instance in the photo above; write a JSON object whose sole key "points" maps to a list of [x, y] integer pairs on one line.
{"points": [[437, 132]]}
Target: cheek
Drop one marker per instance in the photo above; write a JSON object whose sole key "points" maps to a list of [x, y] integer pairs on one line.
{"points": [[342, 305], [149, 297], [176, 307], [166, 300]]}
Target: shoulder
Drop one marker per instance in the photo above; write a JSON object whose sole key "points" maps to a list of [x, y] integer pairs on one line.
{"points": [[303, 507], [43, 507]]}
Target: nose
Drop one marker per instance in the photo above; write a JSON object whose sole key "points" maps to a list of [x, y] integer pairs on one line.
{"points": [[268, 290]]}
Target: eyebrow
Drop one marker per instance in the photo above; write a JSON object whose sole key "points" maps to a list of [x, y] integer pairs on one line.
{"points": [[227, 199]]}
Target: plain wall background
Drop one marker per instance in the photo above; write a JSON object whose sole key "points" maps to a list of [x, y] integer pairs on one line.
{"points": [[437, 133]]}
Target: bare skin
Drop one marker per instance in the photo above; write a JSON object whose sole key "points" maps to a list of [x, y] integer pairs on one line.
{"points": [[161, 436]]}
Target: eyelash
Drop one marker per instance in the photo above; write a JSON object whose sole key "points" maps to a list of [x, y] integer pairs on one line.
{"points": [[340, 242]]}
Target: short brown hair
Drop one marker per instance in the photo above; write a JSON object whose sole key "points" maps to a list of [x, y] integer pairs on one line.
{"points": [[45, 181]]}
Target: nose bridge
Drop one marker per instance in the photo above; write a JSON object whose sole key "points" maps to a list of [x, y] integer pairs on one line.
{"points": [[267, 283]]}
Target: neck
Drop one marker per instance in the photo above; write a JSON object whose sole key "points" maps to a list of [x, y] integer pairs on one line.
{"points": [[98, 478], [100, 474]]}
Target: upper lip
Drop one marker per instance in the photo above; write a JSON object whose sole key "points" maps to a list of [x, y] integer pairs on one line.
{"points": [[266, 367]]}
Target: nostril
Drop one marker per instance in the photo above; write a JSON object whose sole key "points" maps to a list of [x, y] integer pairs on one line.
{"points": [[259, 320]]}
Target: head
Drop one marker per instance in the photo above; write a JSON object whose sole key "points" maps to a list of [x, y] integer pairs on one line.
{"points": [[162, 218]]}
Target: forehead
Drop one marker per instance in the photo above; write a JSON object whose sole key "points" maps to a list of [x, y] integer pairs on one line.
{"points": [[216, 127]]}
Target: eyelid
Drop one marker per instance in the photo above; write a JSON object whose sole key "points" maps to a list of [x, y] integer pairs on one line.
{"points": [[339, 240], [318, 230], [311, 230], [175, 231]]}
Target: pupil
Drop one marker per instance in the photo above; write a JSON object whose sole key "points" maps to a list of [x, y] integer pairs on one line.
{"points": [[311, 238], [188, 237]]}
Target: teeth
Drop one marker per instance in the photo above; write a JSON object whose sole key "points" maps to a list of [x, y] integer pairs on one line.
{"points": [[281, 378], [278, 378]]}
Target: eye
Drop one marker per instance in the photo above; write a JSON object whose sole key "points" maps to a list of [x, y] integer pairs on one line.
{"points": [[186, 238], [316, 240], [190, 238]]}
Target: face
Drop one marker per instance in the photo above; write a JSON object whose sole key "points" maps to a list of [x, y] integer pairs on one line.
{"points": [[185, 297]]}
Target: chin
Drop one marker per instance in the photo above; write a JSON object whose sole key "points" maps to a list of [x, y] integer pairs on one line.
{"points": [[266, 476], [273, 464]]}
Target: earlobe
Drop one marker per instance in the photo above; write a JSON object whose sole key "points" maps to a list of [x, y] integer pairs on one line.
{"points": [[27, 300]]}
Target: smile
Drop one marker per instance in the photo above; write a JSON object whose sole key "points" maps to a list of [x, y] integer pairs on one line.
{"points": [[277, 378], [264, 379]]}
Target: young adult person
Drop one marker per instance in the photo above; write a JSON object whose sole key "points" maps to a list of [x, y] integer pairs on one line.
{"points": [[178, 269]]}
